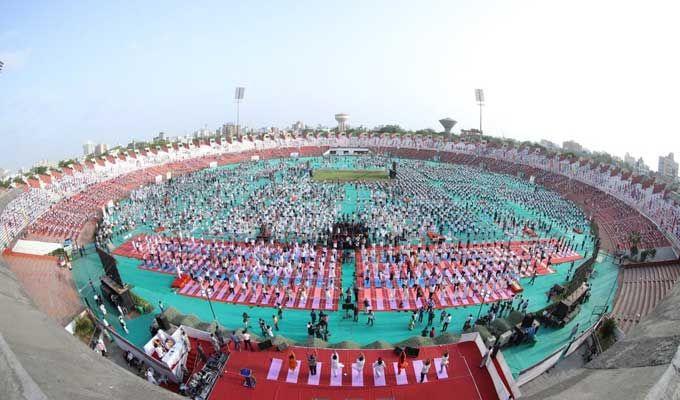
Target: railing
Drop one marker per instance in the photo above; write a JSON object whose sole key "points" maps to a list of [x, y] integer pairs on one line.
{"points": [[563, 351]]}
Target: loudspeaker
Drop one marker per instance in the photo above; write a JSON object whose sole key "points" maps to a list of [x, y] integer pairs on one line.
{"points": [[264, 345], [348, 306], [412, 351], [398, 350], [163, 322], [282, 347]]}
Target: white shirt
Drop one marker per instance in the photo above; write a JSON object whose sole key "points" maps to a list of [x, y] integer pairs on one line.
{"points": [[425, 369]]}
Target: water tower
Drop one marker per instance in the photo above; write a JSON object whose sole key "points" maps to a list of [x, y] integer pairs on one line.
{"points": [[448, 124], [342, 119]]}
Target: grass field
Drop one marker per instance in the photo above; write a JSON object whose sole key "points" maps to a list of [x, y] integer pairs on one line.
{"points": [[349, 175]]}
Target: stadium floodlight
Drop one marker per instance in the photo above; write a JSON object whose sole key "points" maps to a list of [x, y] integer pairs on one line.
{"points": [[238, 97], [479, 97], [2, 64], [240, 91]]}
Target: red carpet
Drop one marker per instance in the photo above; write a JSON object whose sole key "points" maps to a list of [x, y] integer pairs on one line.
{"points": [[465, 379]]}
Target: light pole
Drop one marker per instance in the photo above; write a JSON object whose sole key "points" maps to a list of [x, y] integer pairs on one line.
{"points": [[479, 97], [205, 293], [484, 294], [238, 97]]}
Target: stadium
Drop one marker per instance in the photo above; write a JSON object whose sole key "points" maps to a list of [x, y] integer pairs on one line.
{"points": [[341, 200], [340, 265]]}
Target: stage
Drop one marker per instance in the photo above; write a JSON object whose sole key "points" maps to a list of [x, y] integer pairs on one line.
{"points": [[276, 382]]}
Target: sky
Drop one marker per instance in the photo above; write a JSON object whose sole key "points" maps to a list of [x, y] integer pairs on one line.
{"points": [[603, 73]]}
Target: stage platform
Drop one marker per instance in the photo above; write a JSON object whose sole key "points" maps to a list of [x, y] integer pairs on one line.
{"points": [[275, 381]]}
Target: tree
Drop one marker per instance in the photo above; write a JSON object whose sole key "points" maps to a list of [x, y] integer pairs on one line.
{"points": [[42, 170], [389, 129], [65, 163], [652, 252], [643, 255], [602, 157]]}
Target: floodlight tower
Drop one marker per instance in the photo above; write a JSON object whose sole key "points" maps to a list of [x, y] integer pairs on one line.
{"points": [[448, 124], [238, 97], [479, 97], [342, 119]]}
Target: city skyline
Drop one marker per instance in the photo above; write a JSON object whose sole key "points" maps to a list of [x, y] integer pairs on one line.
{"points": [[112, 75]]}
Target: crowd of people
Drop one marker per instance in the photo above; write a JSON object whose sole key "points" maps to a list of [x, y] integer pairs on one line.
{"points": [[282, 274], [423, 200], [444, 275], [579, 181]]}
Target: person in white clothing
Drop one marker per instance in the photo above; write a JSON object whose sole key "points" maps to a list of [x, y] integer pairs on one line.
{"points": [[101, 347], [379, 367], [359, 364], [425, 370], [444, 362], [336, 365], [150, 377]]}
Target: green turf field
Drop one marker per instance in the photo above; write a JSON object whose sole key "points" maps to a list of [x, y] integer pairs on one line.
{"points": [[346, 175]]}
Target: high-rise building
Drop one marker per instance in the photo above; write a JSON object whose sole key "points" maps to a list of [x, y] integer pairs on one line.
{"points": [[572, 146], [668, 167], [88, 148], [548, 144], [640, 168], [628, 159], [298, 126], [229, 129], [100, 149]]}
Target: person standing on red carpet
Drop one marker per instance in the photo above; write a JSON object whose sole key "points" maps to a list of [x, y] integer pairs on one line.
{"points": [[444, 362], [311, 361], [292, 361], [402, 364], [425, 370]]}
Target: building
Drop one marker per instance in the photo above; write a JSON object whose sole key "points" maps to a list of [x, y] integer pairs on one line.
{"points": [[470, 133], [44, 163], [298, 126], [88, 148], [100, 149], [229, 129], [4, 174], [628, 159], [549, 145], [640, 168], [572, 146], [343, 121], [668, 167]]}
